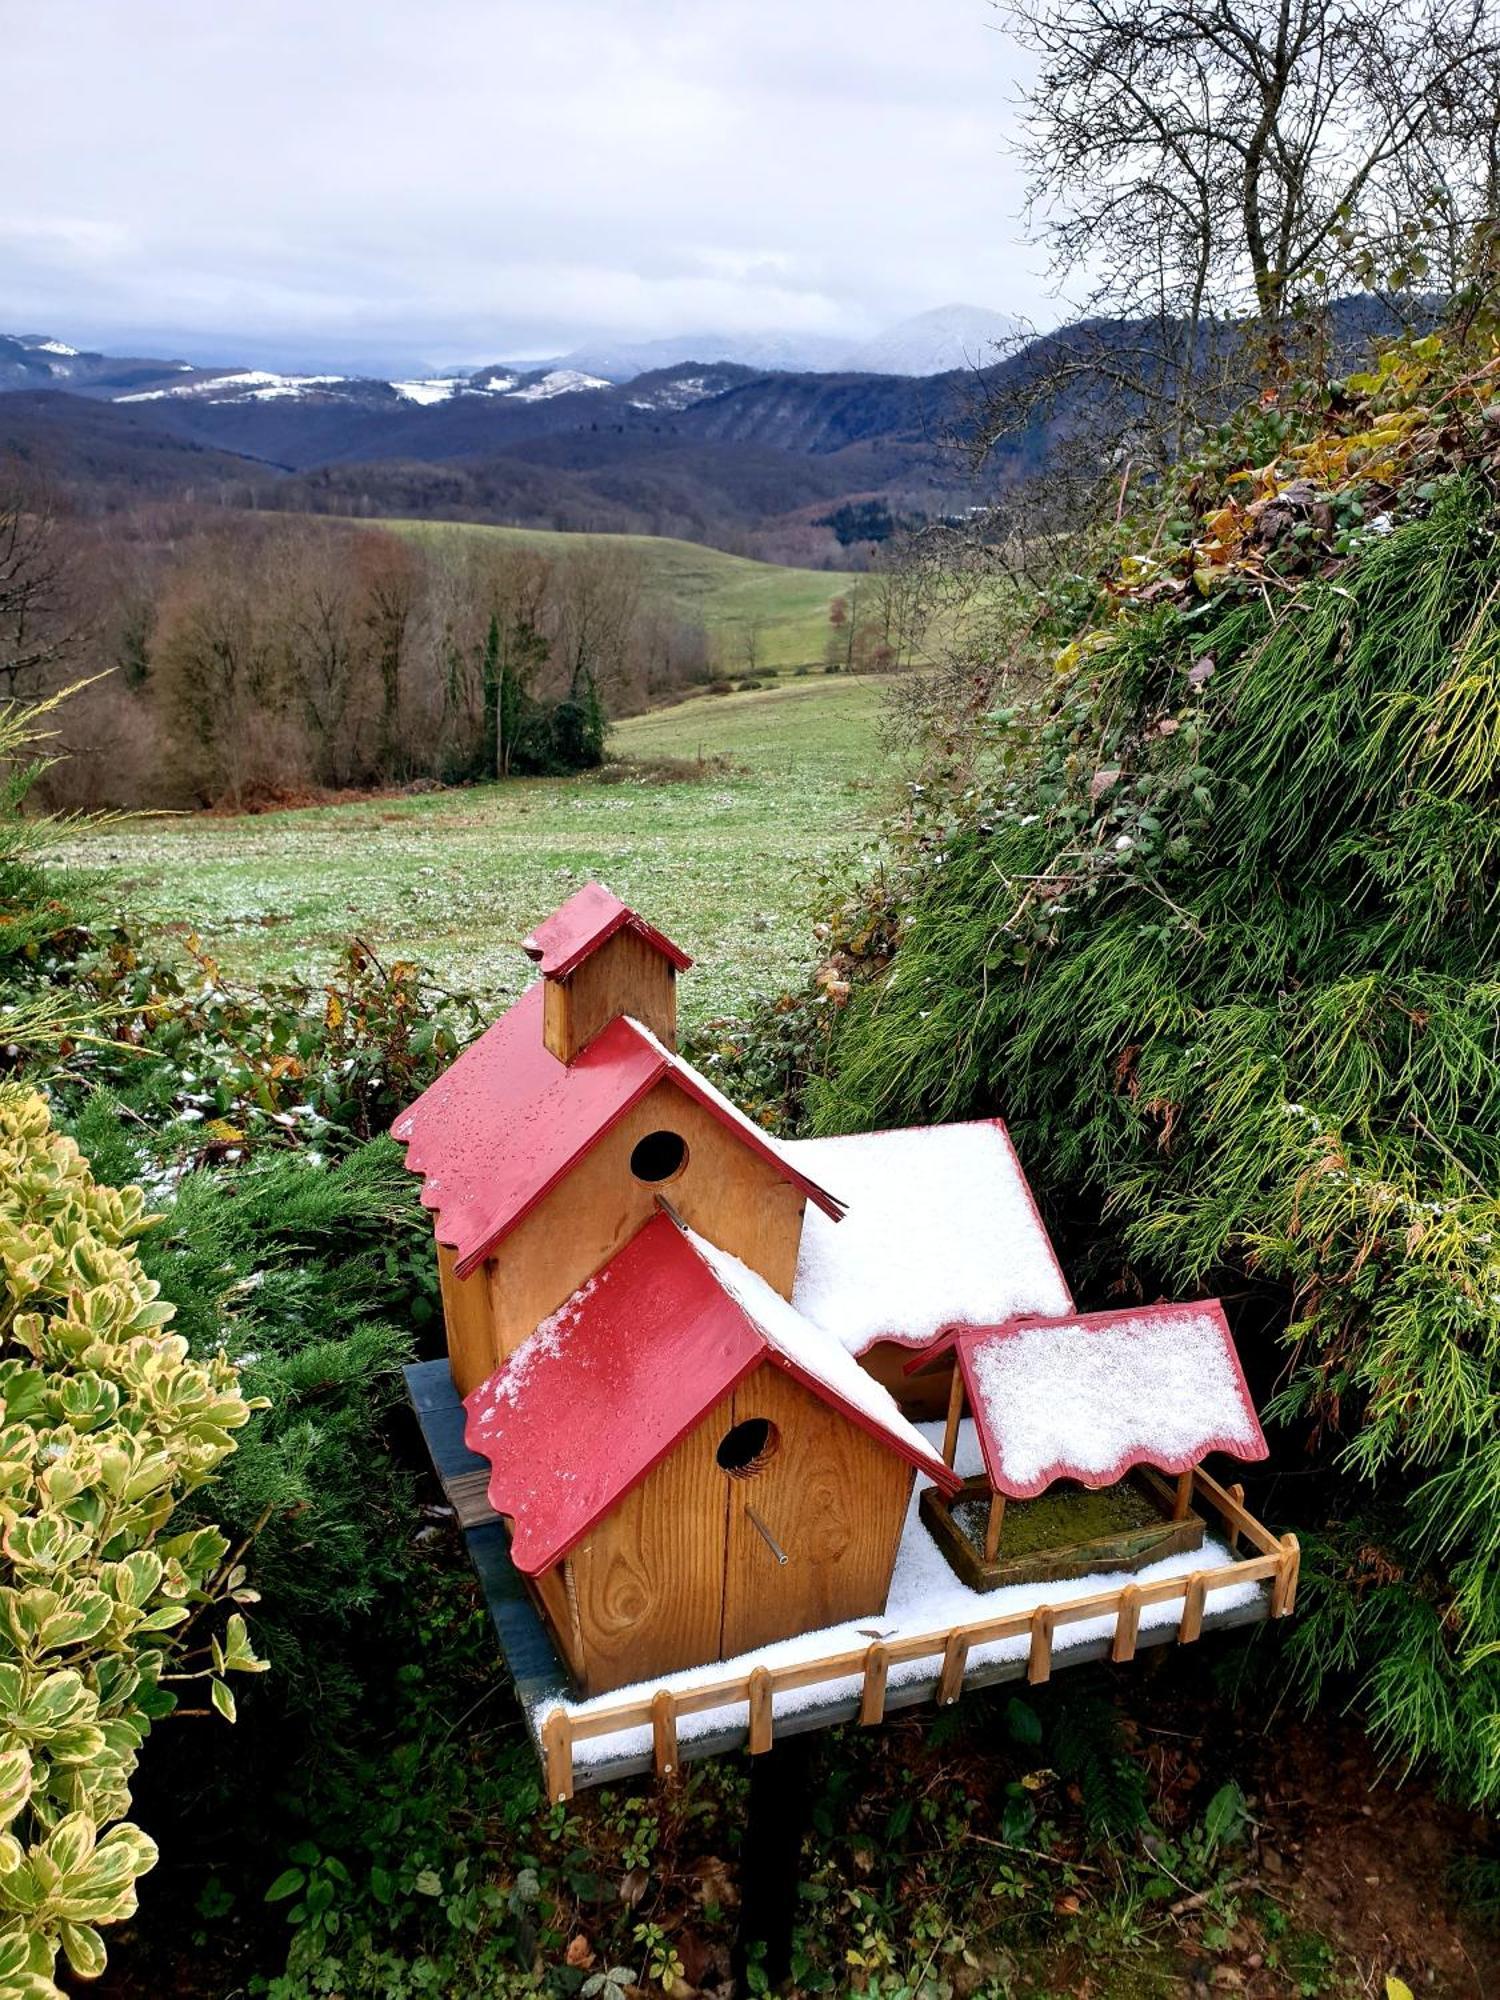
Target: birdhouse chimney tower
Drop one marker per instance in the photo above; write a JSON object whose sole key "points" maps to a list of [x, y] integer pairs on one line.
{"points": [[599, 960]]}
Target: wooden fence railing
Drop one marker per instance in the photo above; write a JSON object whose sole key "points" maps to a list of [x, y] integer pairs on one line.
{"points": [[1276, 1563]]}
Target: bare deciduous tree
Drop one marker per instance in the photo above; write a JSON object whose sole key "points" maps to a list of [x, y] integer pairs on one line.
{"points": [[34, 601]]}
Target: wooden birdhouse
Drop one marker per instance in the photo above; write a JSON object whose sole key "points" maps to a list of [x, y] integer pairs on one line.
{"points": [[696, 1361], [689, 1465], [1076, 1418]]}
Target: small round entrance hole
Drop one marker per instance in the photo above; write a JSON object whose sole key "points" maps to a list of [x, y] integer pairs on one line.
{"points": [[749, 1447], [659, 1156]]}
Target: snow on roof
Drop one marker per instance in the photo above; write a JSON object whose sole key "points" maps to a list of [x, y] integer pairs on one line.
{"points": [[941, 1228], [926, 1596], [616, 1378], [562, 941], [815, 1356], [1089, 1396], [506, 1122]]}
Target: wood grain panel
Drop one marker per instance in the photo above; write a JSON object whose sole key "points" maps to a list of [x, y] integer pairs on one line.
{"points": [[920, 1396], [649, 1579], [625, 975], [550, 1589], [833, 1500], [725, 1192], [466, 1316]]}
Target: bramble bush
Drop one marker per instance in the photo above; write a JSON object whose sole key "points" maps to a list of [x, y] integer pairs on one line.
{"points": [[106, 1425]]}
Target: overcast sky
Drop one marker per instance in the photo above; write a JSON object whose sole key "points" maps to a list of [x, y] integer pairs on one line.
{"points": [[453, 181]]}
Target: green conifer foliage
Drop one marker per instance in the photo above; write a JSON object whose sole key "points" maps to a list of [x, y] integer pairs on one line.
{"points": [[1220, 937]]}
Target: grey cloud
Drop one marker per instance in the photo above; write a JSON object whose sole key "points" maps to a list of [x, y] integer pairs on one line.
{"points": [[443, 180]]}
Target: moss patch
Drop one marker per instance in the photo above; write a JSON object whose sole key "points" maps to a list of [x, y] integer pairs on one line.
{"points": [[1061, 1518]]}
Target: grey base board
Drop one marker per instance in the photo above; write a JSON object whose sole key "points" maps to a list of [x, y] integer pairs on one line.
{"points": [[542, 1682]]}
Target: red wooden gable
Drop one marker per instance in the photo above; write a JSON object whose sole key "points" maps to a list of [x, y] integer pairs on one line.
{"points": [[613, 1381], [565, 939], [1086, 1396], [506, 1122]]}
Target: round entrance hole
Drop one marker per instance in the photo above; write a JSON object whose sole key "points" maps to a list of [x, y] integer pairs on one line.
{"points": [[659, 1156], [748, 1448]]}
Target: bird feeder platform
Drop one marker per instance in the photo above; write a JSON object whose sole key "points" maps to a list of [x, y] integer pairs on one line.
{"points": [[1066, 1532], [937, 1638]]}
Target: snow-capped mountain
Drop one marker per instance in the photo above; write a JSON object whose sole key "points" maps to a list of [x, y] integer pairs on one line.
{"points": [[933, 343]]}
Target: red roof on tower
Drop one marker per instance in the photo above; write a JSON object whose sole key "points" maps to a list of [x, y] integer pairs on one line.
{"points": [[562, 941], [609, 1384], [507, 1121], [1086, 1396]]}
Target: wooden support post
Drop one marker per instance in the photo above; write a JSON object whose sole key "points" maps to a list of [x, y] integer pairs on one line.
{"points": [[1237, 1495], [1183, 1504], [557, 1747], [955, 1412], [1127, 1623], [993, 1526], [1039, 1661], [771, 1860], [951, 1679], [872, 1694], [664, 1732], [1191, 1623], [760, 1712], [1284, 1584]]}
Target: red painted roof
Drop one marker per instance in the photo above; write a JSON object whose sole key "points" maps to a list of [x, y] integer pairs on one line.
{"points": [[610, 1384], [507, 1121], [1086, 1396], [583, 923]]}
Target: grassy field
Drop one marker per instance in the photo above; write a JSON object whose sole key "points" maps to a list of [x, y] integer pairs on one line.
{"points": [[728, 594], [725, 860]]}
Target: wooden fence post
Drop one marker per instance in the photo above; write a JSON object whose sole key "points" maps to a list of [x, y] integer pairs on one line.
{"points": [[1237, 1495], [1127, 1623], [760, 1712], [557, 1746], [951, 1679], [1191, 1622], [1284, 1588], [1039, 1661], [872, 1694], [664, 1731]]}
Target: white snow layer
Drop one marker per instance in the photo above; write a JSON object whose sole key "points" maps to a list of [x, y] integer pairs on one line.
{"points": [[925, 1597], [809, 1348], [51, 347], [940, 1229], [1089, 1397], [436, 389], [247, 385], [557, 382]]}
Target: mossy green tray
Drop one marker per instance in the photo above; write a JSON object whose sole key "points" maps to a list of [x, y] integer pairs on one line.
{"points": [[1066, 1532]]}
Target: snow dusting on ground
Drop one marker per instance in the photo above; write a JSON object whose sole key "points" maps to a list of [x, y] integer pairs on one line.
{"points": [[925, 1597], [940, 1229]]}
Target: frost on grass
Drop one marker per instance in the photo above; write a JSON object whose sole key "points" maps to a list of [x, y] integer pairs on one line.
{"points": [[1082, 1399], [941, 1229], [925, 1597]]}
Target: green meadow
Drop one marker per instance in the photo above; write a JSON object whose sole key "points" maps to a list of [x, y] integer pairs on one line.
{"points": [[728, 595], [716, 820]]}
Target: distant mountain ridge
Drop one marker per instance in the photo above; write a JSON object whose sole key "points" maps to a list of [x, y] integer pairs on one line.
{"points": [[928, 343], [771, 461]]}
